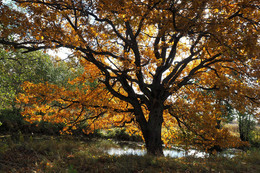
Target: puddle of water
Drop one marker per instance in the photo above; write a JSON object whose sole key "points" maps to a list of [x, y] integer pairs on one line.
{"points": [[126, 151], [182, 153], [134, 148], [166, 152]]}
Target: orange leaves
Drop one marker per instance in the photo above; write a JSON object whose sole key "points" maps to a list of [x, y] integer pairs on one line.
{"points": [[76, 104], [193, 55], [91, 72], [22, 99], [39, 38], [198, 115]]}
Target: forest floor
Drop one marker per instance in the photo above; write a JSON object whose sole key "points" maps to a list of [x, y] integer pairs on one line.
{"points": [[40, 154]]}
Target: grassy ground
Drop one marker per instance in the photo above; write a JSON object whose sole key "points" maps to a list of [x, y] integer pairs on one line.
{"points": [[70, 155]]}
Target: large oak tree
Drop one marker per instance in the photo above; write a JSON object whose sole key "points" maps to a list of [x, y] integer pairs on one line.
{"points": [[161, 61]]}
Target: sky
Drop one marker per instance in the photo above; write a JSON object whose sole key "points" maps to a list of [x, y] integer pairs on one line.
{"points": [[62, 53]]}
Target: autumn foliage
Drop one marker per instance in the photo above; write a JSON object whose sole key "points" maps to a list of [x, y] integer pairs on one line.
{"points": [[166, 69]]}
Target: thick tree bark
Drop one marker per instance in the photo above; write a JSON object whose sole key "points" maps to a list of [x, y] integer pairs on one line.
{"points": [[152, 132], [153, 140]]}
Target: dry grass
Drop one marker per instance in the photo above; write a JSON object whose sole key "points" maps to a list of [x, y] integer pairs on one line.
{"points": [[233, 128], [75, 156]]}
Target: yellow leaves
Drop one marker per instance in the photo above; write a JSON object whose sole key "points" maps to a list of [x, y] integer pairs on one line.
{"points": [[159, 62], [39, 38], [216, 10]]}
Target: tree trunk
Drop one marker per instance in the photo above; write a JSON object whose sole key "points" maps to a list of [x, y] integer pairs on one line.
{"points": [[153, 141], [152, 132]]}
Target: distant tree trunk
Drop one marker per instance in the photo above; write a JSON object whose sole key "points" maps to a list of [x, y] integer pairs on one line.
{"points": [[243, 129], [246, 125]]}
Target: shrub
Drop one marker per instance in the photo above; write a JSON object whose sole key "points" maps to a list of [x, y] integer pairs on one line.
{"points": [[11, 120]]}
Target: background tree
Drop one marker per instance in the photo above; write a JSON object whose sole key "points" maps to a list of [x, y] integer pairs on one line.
{"points": [[152, 56], [16, 68], [246, 124]]}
